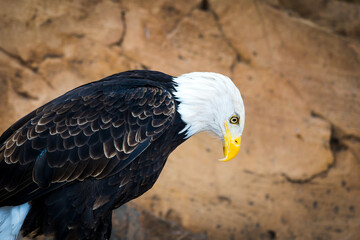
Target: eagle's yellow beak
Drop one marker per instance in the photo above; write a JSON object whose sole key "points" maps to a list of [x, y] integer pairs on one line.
{"points": [[231, 145]]}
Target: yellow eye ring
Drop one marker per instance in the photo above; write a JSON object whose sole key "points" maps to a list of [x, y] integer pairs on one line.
{"points": [[234, 119]]}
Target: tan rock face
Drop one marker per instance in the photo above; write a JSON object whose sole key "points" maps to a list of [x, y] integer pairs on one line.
{"points": [[297, 64]]}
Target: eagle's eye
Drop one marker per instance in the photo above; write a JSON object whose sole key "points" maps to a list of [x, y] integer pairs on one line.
{"points": [[234, 119]]}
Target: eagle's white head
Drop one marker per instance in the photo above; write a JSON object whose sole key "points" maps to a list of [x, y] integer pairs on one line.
{"points": [[212, 103]]}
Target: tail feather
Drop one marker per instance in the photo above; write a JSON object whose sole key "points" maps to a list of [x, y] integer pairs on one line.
{"points": [[11, 220]]}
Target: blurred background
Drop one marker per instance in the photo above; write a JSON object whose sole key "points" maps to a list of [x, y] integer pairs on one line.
{"points": [[297, 65]]}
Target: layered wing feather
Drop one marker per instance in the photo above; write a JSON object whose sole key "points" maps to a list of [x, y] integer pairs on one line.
{"points": [[91, 132]]}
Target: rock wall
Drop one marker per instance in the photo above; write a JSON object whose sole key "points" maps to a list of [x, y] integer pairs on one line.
{"points": [[297, 64]]}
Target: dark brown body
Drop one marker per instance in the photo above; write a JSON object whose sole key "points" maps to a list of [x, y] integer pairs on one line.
{"points": [[80, 156]]}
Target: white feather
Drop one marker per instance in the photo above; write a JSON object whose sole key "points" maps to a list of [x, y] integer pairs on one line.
{"points": [[207, 100], [11, 220]]}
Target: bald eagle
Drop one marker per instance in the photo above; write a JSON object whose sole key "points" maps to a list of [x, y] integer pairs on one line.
{"points": [[65, 166]]}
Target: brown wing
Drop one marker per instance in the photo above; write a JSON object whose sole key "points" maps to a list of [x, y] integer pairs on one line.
{"points": [[90, 132]]}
